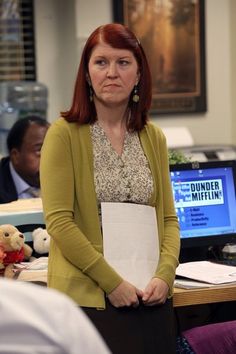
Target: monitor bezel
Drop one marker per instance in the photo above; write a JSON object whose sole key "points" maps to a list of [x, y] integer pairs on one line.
{"points": [[215, 239]]}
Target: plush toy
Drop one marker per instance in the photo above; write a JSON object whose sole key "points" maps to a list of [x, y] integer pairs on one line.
{"points": [[41, 241], [2, 256], [13, 247]]}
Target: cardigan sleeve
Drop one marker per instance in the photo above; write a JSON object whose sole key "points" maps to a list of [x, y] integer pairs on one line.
{"points": [[58, 176], [168, 225], [170, 246]]}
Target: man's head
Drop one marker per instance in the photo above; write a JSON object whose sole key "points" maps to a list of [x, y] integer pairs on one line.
{"points": [[24, 144]]}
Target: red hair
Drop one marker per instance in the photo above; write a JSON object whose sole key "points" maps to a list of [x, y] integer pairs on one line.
{"points": [[117, 36]]}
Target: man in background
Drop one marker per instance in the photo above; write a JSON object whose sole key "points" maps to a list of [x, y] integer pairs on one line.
{"points": [[19, 172]]}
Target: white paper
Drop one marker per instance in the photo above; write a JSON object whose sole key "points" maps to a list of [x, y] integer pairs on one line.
{"points": [[208, 272], [191, 284], [33, 271], [130, 241]]}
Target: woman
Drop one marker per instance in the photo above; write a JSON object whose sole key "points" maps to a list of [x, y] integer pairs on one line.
{"points": [[104, 150]]}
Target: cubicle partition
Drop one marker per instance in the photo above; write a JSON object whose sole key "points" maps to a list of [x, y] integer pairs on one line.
{"points": [[25, 214]]}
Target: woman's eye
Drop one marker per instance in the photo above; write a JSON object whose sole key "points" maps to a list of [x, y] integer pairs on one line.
{"points": [[100, 62], [123, 62]]}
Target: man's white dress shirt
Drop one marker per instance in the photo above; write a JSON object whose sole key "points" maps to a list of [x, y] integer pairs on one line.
{"points": [[23, 189], [38, 320]]}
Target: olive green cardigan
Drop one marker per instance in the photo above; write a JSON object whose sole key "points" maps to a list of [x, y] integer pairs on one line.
{"points": [[76, 263]]}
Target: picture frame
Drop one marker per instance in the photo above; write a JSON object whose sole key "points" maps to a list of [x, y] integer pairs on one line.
{"points": [[172, 34]]}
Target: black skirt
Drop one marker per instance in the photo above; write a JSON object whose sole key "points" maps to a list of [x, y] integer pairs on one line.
{"points": [[142, 330]]}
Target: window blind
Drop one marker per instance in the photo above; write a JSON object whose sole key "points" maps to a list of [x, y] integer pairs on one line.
{"points": [[17, 48]]}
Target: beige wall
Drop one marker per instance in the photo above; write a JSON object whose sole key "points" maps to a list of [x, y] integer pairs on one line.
{"points": [[56, 51], [62, 27], [233, 66]]}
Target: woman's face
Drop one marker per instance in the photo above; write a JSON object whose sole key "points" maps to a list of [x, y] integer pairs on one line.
{"points": [[113, 73]]}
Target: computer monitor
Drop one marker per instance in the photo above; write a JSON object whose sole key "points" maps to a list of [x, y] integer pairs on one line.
{"points": [[205, 202]]}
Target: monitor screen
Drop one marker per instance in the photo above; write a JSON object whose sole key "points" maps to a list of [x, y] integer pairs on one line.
{"points": [[205, 202]]}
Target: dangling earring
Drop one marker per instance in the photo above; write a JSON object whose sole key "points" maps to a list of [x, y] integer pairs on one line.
{"points": [[135, 95], [90, 93]]}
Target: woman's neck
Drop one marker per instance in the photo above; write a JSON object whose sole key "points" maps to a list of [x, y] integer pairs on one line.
{"points": [[113, 122], [110, 116]]}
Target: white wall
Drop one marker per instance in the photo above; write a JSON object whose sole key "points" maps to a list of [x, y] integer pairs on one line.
{"points": [[62, 27]]}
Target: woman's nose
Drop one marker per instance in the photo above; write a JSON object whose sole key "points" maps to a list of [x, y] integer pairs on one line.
{"points": [[112, 70]]}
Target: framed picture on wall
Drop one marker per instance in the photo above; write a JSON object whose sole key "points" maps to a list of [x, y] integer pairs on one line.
{"points": [[173, 36]]}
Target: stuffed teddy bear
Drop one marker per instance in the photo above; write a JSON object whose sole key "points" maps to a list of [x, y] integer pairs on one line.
{"points": [[41, 242], [13, 248], [2, 256]]}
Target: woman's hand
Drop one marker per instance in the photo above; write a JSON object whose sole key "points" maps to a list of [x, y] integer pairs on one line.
{"points": [[125, 294], [155, 293]]}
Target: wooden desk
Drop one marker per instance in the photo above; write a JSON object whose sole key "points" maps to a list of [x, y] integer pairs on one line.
{"points": [[183, 297]]}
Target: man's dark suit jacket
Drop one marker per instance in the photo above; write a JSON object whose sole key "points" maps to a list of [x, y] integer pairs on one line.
{"points": [[8, 191]]}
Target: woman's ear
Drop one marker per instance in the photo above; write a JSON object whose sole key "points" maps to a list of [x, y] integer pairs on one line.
{"points": [[88, 79], [138, 78]]}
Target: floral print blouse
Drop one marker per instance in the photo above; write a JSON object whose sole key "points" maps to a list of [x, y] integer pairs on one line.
{"points": [[125, 178]]}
